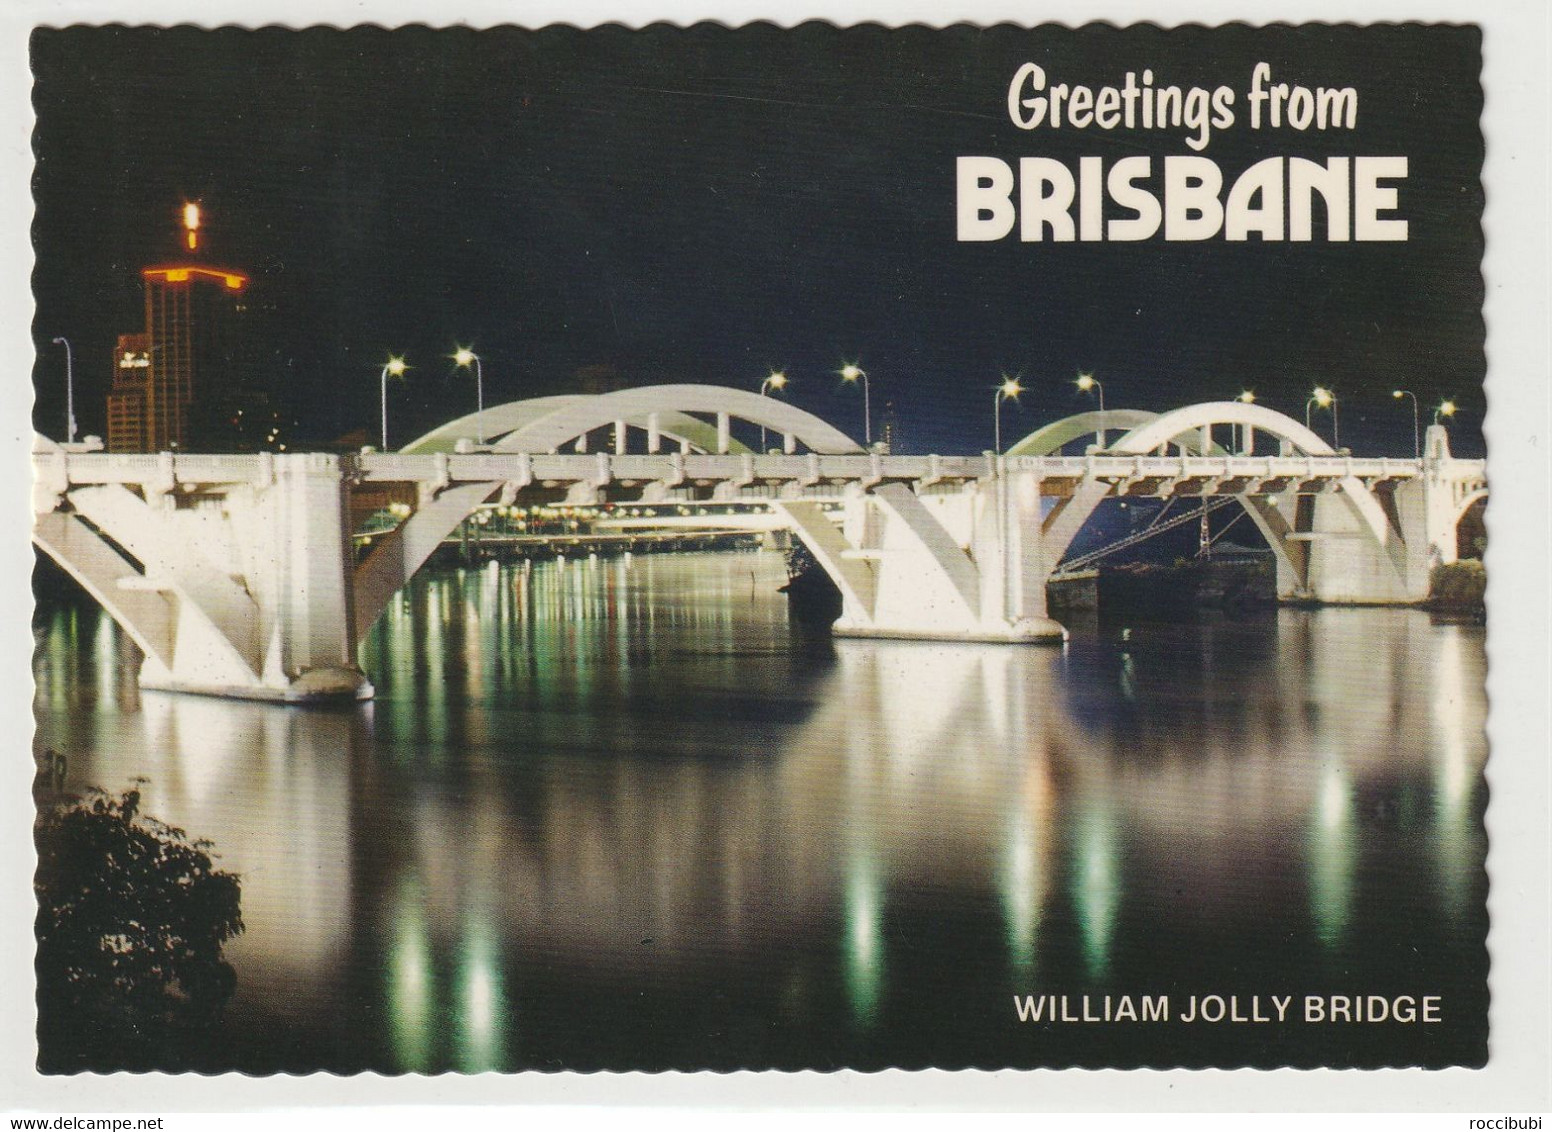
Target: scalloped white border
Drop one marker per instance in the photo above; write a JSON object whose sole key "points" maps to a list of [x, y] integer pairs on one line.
{"points": [[1519, 432]]}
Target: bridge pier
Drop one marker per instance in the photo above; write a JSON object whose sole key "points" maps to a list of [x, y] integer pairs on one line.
{"points": [[1351, 546], [960, 566]]}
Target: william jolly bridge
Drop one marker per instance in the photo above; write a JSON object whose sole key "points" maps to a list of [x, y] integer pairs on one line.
{"points": [[235, 574]]}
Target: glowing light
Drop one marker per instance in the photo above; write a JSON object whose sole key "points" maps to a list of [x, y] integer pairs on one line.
{"points": [[850, 372], [1323, 396], [777, 379], [232, 280], [1446, 408], [1086, 381], [1246, 397], [464, 356], [1010, 387], [191, 216], [396, 366]]}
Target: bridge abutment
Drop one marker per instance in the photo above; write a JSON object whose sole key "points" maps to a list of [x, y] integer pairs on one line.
{"points": [[242, 593]]}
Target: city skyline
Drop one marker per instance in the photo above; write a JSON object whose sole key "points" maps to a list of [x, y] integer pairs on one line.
{"points": [[712, 213]]}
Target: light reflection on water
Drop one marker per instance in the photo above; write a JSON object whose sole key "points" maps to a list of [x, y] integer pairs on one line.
{"points": [[599, 802]]}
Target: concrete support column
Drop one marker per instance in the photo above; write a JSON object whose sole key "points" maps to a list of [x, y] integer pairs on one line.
{"points": [[1025, 567], [316, 614], [724, 434]]}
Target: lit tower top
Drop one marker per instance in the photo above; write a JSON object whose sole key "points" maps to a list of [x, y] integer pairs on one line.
{"points": [[190, 272], [195, 346]]}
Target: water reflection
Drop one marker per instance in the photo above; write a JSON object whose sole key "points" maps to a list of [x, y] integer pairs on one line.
{"points": [[1332, 855], [608, 782]]}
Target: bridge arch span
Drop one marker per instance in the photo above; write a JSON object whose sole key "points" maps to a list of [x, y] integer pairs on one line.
{"points": [[502, 427], [544, 424], [497, 421], [1055, 436], [1172, 428], [672, 405], [1471, 500]]}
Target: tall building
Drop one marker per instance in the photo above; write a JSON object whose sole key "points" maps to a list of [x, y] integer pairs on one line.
{"points": [[175, 382], [127, 394], [192, 315]]}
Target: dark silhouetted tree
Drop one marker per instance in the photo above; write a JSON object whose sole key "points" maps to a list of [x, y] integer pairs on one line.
{"points": [[132, 916]]}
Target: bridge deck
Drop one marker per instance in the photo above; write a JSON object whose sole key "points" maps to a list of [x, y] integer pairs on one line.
{"points": [[1175, 474]]}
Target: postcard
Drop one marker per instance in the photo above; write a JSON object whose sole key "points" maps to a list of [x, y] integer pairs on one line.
{"points": [[722, 546]]}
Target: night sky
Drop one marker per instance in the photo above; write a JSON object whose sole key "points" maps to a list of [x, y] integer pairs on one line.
{"points": [[706, 204]]}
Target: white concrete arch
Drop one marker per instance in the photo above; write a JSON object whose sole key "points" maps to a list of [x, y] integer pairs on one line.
{"points": [[668, 403], [1467, 503], [691, 433], [1172, 427], [497, 421], [501, 425], [1056, 435]]}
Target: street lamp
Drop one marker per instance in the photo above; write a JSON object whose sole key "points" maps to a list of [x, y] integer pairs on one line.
{"points": [[777, 380], [1445, 409], [395, 366], [463, 356], [1417, 446], [1087, 381], [851, 372], [1326, 399], [1246, 397], [69, 391], [1009, 388]]}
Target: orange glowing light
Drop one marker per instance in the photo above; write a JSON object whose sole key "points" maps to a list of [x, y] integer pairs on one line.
{"points": [[191, 223], [232, 280]]}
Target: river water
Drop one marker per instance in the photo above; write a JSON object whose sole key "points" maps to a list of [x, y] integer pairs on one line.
{"points": [[616, 814]]}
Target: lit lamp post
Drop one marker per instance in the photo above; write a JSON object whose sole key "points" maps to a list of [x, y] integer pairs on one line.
{"points": [[1009, 388], [1417, 446], [69, 391], [1326, 399], [396, 367], [1086, 382], [1246, 397], [851, 372], [777, 380], [1445, 409], [463, 356]]}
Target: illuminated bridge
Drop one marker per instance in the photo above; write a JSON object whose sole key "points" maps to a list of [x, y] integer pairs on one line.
{"points": [[235, 574]]}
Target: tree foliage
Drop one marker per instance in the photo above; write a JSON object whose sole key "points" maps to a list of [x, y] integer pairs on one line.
{"points": [[132, 917]]}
